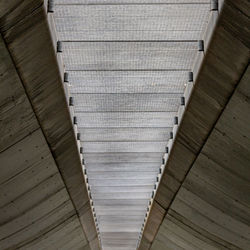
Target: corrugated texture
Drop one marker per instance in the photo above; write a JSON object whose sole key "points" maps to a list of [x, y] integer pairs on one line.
{"points": [[122, 158], [131, 21], [119, 2], [127, 81], [128, 63], [126, 102], [125, 119], [129, 55], [125, 134]]}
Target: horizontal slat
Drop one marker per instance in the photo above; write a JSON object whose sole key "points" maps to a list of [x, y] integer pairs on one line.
{"points": [[126, 207], [168, 11], [126, 102], [123, 218], [124, 134], [116, 119], [123, 158], [128, 167], [121, 228], [123, 195], [121, 175], [127, 81], [128, 202], [118, 235], [119, 2], [120, 183], [107, 147], [129, 243], [128, 56], [116, 247], [130, 189], [121, 224], [129, 22], [120, 212]]}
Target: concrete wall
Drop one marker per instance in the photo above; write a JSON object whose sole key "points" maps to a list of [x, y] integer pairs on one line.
{"points": [[203, 199], [44, 201]]}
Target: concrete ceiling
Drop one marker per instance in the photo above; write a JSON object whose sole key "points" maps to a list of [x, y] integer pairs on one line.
{"points": [[36, 209], [211, 208], [44, 202], [202, 201], [73, 186]]}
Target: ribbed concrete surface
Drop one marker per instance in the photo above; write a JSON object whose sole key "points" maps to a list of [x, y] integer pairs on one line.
{"points": [[44, 202], [202, 201]]}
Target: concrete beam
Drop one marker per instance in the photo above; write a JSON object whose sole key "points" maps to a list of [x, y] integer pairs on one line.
{"points": [[216, 75], [39, 102]]}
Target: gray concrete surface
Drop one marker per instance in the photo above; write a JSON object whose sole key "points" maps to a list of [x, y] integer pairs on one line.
{"points": [[44, 201], [203, 199]]}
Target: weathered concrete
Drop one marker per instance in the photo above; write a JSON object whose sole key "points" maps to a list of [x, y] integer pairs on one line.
{"points": [[44, 201], [203, 198], [211, 209], [207, 207]]}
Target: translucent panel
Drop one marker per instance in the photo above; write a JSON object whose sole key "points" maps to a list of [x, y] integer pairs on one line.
{"points": [[126, 119], [121, 212], [125, 134], [119, 242], [116, 202], [129, 56], [122, 208], [127, 81], [123, 195], [119, 245], [130, 167], [130, 189], [106, 147], [126, 102], [121, 175], [131, 22], [123, 158], [119, 2], [151, 35], [133, 227], [123, 218], [105, 247], [120, 183]]}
